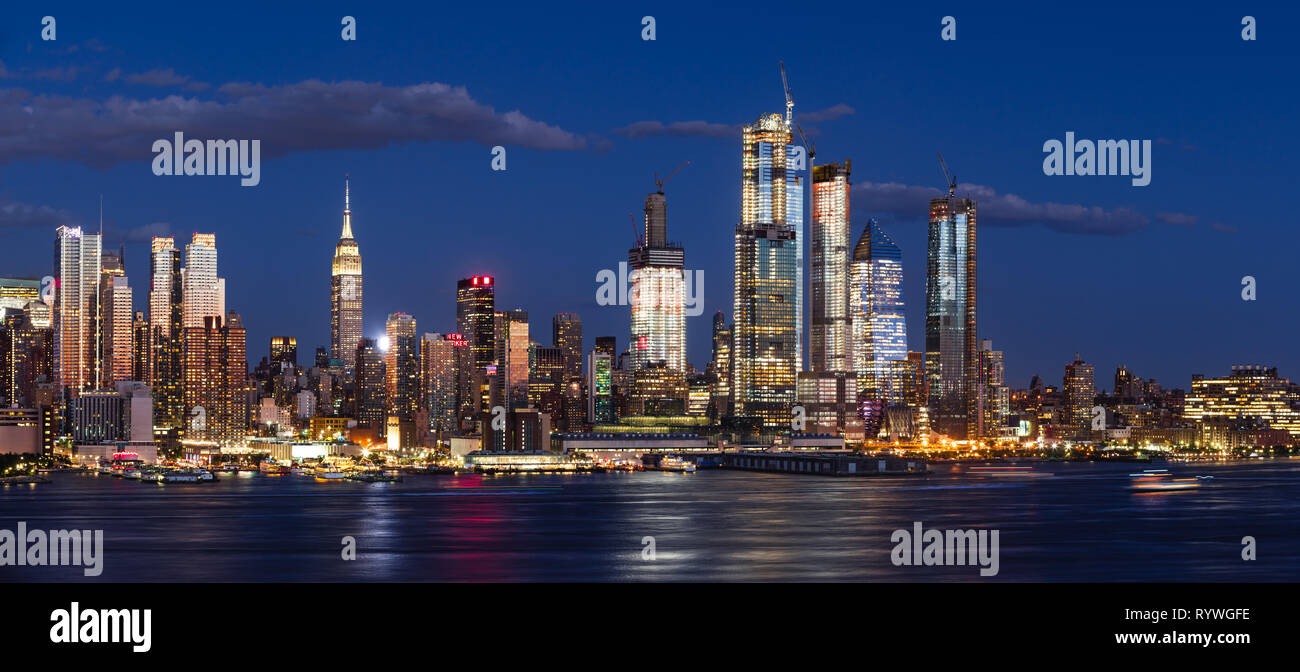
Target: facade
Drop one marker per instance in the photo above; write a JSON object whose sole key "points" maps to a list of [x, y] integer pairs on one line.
{"points": [[216, 380], [952, 357], [118, 330], [26, 356], [600, 387], [345, 291], [475, 319], [77, 263], [566, 334], [370, 385], [440, 356], [203, 293], [512, 357], [720, 366], [1079, 392], [830, 335], [284, 349], [657, 293], [402, 367], [1249, 398], [997, 396], [165, 340], [768, 284], [879, 323]]}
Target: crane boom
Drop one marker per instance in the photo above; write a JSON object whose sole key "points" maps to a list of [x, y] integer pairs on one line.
{"points": [[660, 183], [952, 181], [789, 101]]}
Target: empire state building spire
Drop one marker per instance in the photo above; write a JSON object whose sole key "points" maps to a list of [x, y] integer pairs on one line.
{"points": [[345, 289]]}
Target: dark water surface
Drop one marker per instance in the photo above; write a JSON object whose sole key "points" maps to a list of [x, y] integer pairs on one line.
{"points": [[1084, 522]]}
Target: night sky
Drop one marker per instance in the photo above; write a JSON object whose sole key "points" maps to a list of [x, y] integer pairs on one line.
{"points": [[1148, 276]]}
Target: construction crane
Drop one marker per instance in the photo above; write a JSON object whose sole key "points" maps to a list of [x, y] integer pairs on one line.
{"points": [[789, 101], [812, 147], [952, 179], [660, 183], [636, 233]]}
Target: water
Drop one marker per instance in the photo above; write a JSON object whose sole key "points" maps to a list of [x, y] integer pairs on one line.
{"points": [[1085, 522]]}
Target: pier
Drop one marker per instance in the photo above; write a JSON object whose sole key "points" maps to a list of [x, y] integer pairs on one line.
{"points": [[825, 463]]}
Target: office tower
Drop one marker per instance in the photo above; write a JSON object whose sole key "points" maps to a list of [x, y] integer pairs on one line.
{"points": [[768, 286], [657, 292], [77, 263], [997, 396], [546, 378], [1250, 397], [141, 350], [165, 333], [1079, 392], [877, 316], [658, 390], [829, 346], [16, 293], [511, 336], [26, 357], [607, 345], [345, 291], [118, 330], [476, 321], [952, 360], [97, 417], [216, 380], [203, 294], [830, 404], [600, 387], [566, 334], [284, 349], [370, 385], [719, 367], [402, 367], [439, 366]]}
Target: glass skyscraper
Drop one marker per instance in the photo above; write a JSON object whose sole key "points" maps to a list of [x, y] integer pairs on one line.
{"points": [[768, 285], [829, 338], [657, 293], [951, 347], [878, 316], [345, 291]]}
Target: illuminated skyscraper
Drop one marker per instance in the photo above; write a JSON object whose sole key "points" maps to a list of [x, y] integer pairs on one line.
{"points": [[345, 291], [284, 349], [877, 315], [165, 333], [768, 299], [830, 338], [440, 356], [600, 387], [476, 321], [657, 292], [115, 331], [77, 262], [1079, 391], [512, 357], [952, 357], [997, 396], [203, 293], [566, 334], [216, 380], [720, 367], [402, 367], [370, 385]]}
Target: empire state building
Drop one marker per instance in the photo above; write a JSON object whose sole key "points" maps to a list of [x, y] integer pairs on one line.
{"points": [[345, 291]]}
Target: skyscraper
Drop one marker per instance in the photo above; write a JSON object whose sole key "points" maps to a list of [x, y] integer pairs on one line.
{"points": [[203, 293], [77, 262], [997, 396], [216, 380], [165, 329], [600, 387], [284, 349], [877, 316], [476, 321], [1079, 390], [952, 358], [345, 290], [720, 367], [566, 334], [115, 332], [370, 385], [830, 337], [439, 364], [402, 367], [657, 292], [512, 357], [768, 298]]}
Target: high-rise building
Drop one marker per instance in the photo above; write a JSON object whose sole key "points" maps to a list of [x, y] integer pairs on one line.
{"points": [[165, 333], [997, 396], [512, 357], [345, 290], [216, 380], [284, 349], [952, 358], [370, 385], [1250, 397], [657, 293], [1079, 391], [476, 321], [878, 319], [600, 387], [607, 345], [768, 286], [830, 337], [402, 367], [566, 334], [77, 262], [141, 350], [203, 293], [720, 367], [26, 356], [117, 332], [439, 365]]}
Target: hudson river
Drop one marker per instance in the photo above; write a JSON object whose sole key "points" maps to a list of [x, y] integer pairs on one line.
{"points": [[1079, 522]]}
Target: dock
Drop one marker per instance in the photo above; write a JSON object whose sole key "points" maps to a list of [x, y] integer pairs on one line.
{"points": [[825, 463]]}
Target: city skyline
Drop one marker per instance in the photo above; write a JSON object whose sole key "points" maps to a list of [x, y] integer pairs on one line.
{"points": [[291, 216]]}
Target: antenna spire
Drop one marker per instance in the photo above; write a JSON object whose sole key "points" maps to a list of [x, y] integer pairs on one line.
{"points": [[347, 192]]}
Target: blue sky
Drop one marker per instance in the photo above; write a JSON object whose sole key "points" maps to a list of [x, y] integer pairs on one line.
{"points": [[1148, 277]]}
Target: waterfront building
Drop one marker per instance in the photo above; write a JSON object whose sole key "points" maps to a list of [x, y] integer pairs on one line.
{"points": [[1079, 392], [165, 338], [475, 320], [952, 358], [77, 263], [830, 337], [402, 367], [878, 318], [440, 356], [1249, 397], [216, 380], [997, 396], [657, 292]]}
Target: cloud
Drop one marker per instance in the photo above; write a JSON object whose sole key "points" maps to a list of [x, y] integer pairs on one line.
{"points": [[1176, 218], [15, 215], [678, 129], [166, 77], [146, 232], [832, 112], [311, 115], [908, 201]]}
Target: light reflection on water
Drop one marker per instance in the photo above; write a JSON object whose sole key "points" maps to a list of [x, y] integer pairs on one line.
{"points": [[1085, 522]]}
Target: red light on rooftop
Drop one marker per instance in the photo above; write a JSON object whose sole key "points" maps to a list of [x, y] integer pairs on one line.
{"points": [[476, 281], [487, 279]]}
